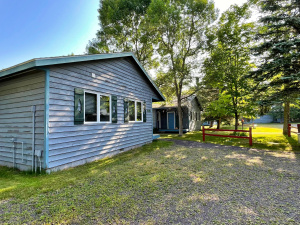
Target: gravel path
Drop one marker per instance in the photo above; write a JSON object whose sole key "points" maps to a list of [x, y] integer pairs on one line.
{"points": [[263, 187]]}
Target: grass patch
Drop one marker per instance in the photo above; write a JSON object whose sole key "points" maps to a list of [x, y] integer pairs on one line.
{"points": [[20, 185], [265, 136], [159, 183]]}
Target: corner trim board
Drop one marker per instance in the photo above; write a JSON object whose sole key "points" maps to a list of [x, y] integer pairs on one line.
{"points": [[46, 117]]}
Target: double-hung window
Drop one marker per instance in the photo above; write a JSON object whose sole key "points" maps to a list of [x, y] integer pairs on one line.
{"points": [[139, 114], [135, 111], [104, 108], [131, 110], [90, 107], [97, 108]]}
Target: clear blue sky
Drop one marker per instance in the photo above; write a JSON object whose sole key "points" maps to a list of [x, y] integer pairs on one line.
{"points": [[43, 28]]}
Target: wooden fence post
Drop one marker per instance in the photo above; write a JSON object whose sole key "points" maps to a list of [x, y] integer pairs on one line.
{"points": [[250, 136], [203, 133], [289, 130]]}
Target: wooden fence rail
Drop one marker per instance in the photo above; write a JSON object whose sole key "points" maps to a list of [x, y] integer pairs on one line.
{"points": [[290, 131], [231, 136]]}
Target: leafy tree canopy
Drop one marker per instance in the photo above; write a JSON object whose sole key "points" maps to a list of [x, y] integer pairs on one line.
{"points": [[229, 60], [123, 28], [178, 27], [219, 109]]}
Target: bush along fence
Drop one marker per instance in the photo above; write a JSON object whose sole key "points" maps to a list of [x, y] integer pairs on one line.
{"points": [[231, 136]]}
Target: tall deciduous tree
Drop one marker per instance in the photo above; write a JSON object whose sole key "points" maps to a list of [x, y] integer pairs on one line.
{"points": [[179, 30], [279, 51], [123, 28], [229, 59]]}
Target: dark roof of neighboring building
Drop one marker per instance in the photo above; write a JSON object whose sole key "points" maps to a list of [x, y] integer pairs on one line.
{"points": [[167, 107], [42, 62], [173, 104]]}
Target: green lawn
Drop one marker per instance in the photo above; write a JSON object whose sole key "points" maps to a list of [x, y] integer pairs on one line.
{"points": [[22, 185], [159, 183], [265, 136]]}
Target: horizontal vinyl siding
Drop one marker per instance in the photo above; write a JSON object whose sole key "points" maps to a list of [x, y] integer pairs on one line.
{"points": [[69, 143], [17, 96], [194, 125], [264, 119]]}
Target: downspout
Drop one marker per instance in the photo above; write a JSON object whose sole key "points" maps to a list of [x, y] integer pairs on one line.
{"points": [[46, 117], [152, 117], [13, 140], [33, 109]]}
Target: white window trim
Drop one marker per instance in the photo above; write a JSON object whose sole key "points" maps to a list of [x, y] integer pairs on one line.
{"points": [[135, 111], [98, 108], [110, 107], [131, 121], [141, 111]]}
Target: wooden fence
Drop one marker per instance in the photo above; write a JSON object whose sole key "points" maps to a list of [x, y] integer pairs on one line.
{"points": [[231, 136], [290, 131]]}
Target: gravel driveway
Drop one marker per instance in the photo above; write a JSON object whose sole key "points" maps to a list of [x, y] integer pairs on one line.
{"points": [[252, 186], [187, 183]]}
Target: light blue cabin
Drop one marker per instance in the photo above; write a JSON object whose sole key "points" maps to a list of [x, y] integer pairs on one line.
{"points": [[62, 112], [166, 119], [264, 119]]}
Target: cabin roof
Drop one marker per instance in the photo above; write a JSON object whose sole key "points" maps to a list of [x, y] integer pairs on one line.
{"points": [[173, 103], [43, 62], [167, 107]]}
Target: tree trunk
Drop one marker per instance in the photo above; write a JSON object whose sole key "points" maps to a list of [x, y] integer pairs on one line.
{"points": [[180, 116], [236, 117], [219, 123], [211, 124], [286, 117]]}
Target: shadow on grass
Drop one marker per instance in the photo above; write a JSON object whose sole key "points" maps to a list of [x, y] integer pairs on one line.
{"points": [[293, 141], [18, 184]]}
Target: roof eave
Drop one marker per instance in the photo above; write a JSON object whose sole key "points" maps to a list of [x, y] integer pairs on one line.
{"points": [[150, 79], [20, 67], [59, 60], [64, 59]]}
